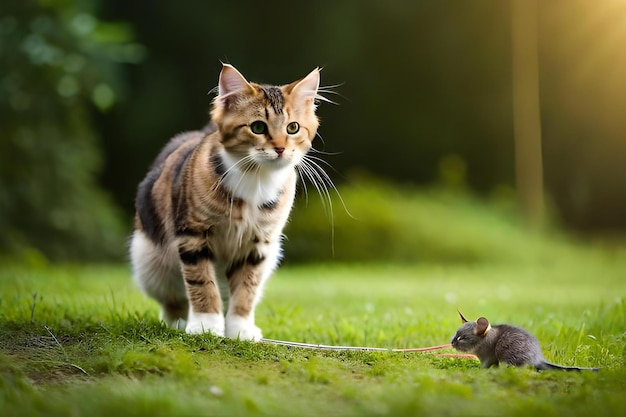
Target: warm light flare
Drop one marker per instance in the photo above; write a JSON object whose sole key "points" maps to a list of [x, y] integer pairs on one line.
{"points": [[583, 53]]}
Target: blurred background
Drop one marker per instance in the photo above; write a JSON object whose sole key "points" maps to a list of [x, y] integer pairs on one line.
{"points": [[422, 142]]}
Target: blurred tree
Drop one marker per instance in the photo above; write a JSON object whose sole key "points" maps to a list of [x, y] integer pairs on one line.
{"points": [[526, 111], [584, 111], [59, 61]]}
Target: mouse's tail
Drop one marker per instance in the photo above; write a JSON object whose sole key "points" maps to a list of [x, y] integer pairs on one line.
{"points": [[546, 366]]}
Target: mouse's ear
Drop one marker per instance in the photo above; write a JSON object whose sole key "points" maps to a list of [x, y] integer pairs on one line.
{"points": [[463, 319], [482, 327]]}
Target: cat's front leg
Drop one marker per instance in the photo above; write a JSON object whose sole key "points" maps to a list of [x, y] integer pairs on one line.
{"points": [[245, 288], [242, 327], [205, 303], [246, 279]]}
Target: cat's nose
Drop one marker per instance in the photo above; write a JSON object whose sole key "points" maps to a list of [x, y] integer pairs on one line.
{"points": [[279, 151]]}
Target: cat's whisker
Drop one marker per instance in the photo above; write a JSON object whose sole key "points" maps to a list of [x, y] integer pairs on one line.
{"points": [[213, 91], [317, 134], [240, 164], [326, 178], [221, 179], [244, 164], [303, 182], [324, 162], [319, 97], [328, 89], [256, 174], [326, 200], [319, 181], [247, 164], [323, 193], [313, 150]]}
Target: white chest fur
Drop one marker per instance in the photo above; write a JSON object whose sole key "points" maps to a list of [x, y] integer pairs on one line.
{"points": [[256, 184]]}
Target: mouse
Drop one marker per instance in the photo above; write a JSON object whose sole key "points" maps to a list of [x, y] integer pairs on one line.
{"points": [[503, 343]]}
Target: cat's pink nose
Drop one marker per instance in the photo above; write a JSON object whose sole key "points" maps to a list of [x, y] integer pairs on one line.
{"points": [[279, 151]]}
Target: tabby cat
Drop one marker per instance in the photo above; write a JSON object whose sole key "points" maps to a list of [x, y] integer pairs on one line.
{"points": [[211, 210]]}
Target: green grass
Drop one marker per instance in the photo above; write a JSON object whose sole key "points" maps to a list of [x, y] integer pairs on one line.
{"points": [[82, 341]]}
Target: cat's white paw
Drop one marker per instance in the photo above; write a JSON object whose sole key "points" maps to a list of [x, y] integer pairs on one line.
{"points": [[241, 328], [205, 323]]}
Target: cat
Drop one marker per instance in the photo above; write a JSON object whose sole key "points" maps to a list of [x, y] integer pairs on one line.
{"points": [[211, 210]]}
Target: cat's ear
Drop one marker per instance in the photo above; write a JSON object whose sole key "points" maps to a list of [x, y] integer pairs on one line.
{"points": [[305, 88], [482, 327], [231, 81], [463, 319]]}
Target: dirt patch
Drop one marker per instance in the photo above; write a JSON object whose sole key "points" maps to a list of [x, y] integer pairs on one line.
{"points": [[42, 358]]}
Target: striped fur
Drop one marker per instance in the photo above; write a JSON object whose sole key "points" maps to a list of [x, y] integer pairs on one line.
{"points": [[211, 210]]}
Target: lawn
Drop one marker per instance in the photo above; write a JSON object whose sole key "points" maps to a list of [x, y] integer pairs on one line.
{"points": [[83, 341]]}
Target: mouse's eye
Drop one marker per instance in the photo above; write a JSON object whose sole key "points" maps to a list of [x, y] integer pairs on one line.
{"points": [[459, 338]]}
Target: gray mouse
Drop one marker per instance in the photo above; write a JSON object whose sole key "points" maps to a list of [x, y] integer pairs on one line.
{"points": [[502, 343]]}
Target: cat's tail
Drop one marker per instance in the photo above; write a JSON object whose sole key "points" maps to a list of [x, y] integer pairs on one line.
{"points": [[546, 366]]}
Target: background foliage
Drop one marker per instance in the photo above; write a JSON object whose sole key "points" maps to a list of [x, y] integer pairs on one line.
{"points": [[92, 89], [59, 64]]}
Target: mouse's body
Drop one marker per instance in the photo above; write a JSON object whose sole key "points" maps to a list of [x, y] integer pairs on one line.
{"points": [[502, 343]]}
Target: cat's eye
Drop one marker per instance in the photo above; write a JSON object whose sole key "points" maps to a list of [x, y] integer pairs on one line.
{"points": [[258, 127], [293, 128]]}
